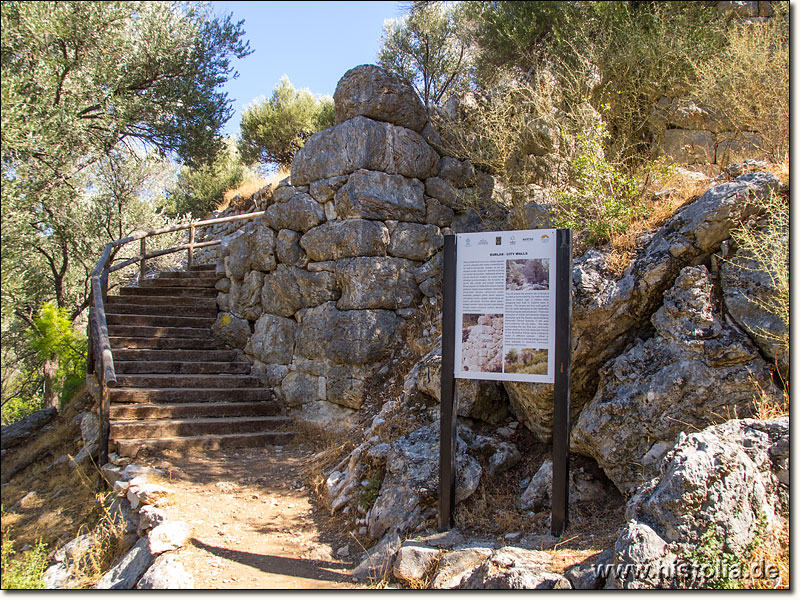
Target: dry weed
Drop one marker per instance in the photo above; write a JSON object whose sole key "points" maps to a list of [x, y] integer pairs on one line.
{"points": [[765, 405], [240, 198], [773, 550]]}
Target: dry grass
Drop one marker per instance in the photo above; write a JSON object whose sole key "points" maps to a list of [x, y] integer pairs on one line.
{"points": [[773, 550], [765, 405], [241, 197], [683, 187]]}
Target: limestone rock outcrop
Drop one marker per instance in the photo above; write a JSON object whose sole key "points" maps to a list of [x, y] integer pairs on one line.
{"points": [[609, 312], [729, 479], [695, 369]]}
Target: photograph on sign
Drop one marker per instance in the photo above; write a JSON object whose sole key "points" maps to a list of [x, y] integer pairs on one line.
{"points": [[505, 305]]}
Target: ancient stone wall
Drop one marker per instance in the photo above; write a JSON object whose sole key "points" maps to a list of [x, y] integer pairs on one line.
{"points": [[349, 246]]}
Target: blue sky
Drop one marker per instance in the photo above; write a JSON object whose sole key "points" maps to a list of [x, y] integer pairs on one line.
{"points": [[313, 43]]}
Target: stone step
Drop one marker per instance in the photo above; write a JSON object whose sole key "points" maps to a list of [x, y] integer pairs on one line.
{"points": [[130, 412], [147, 354], [209, 312], [112, 318], [129, 448], [119, 342], [210, 275], [162, 428], [172, 395], [180, 367], [178, 282], [149, 300], [194, 292], [186, 381], [158, 332]]}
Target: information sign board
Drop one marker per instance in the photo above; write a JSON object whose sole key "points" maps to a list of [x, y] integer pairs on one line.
{"points": [[505, 305]]}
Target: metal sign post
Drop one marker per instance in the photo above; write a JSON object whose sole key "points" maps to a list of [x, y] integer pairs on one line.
{"points": [[510, 287], [447, 436], [561, 388]]}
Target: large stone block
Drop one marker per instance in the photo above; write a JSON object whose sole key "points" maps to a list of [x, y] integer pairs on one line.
{"points": [[288, 250], [249, 298], [289, 289], [376, 282], [273, 340], [375, 195], [252, 250], [415, 242], [346, 337], [361, 143], [373, 92], [689, 146], [344, 239], [300, 213]]}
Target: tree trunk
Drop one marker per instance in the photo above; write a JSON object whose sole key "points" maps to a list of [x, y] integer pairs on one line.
{"points": [[50, 390]]}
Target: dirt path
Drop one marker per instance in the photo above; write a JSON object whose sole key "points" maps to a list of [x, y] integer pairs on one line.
{"points": [[254, 525]]}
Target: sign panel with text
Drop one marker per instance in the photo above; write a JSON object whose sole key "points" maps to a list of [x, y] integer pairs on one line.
{"points": [[505, 305]]}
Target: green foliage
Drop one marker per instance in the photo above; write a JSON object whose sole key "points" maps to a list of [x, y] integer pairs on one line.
{"points": [[23, 570], [747, 83], [273, 130], [605, 199], [199, 190], [54, 335], [429, 49], [619, 56], [720, 570], [368, 494]]}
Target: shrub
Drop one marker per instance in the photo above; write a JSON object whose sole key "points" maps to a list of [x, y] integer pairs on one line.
{"points": [[747, 82], [23, 570], [605, 199], [273, 130]]}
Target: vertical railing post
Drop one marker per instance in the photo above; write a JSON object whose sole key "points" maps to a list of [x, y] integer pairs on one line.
{"points": [[142, 260], [104, 284], [191, 246]]}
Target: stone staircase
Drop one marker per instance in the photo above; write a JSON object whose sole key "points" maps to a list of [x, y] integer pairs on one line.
{"points": [[179, 388]]}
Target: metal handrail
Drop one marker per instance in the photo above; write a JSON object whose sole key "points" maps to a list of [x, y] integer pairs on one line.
{"points": [[101, 359]]}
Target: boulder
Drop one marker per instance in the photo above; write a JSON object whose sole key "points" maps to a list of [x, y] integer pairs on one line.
{"points": [[376, 282], [232, 330], [437, 213], [289, 289], [748, 289], [346, 239], [694, 369], [723, 482], [169, 535], [456, 199], [411, 482], [16, 433], [609, 311], [458, 565], [373, 92], [413, 561], [415, 241], [125, 574], [300, 213], [150, 517], [361, 143], [346, 337], [273, 340], [380, 196], [167, 573], [512, 568], [482, 400], [300, 388]]}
